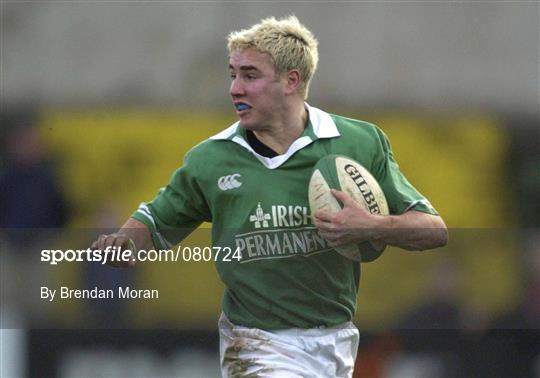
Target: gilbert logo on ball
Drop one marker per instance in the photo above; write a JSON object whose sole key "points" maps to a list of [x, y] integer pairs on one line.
{"points": [[347, 175]]}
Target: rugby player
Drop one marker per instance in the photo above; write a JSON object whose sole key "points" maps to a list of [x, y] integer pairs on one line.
{"points": [[289, 301]]}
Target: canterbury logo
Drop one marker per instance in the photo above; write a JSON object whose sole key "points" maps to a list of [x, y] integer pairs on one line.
{"points": [[229, 182]]}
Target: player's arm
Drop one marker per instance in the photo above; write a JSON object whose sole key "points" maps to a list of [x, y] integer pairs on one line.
{"points": [[412, 230], [178, 209], [133, 235]]}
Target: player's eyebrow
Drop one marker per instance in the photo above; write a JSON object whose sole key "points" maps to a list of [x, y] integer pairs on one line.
{"points": [[245, 68]]}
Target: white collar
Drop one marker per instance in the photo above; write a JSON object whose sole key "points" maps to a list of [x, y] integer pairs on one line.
{"points": [[322, 124]]}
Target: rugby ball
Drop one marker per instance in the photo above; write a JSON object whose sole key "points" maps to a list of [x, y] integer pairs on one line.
{"points": [[347, 175]]}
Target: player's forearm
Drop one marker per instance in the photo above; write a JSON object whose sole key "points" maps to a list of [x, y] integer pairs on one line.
{"points": [[413, 231], [138, 232]]}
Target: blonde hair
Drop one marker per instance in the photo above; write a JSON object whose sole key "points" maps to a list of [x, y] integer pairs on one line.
{"points": [[288, 43]]}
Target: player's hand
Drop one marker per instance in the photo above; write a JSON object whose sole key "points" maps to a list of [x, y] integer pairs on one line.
{"points": [[105, 244], [352, 224]]}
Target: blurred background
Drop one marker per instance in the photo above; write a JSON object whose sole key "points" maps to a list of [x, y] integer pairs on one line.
{"points": [[101, 100]]}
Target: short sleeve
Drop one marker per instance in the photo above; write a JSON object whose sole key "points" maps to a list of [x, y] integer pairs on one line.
{"points": [[178, 208], [400, 194]]}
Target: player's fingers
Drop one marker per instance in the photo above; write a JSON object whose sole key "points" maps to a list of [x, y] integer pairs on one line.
{"points": [[110, 240], [326, 226], [101, 241], [318, 223], [323, 216], [330, 234], [342, 197], [120, 241]]}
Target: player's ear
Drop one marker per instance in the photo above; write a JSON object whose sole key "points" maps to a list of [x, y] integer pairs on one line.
{"points": [[294, 80]]}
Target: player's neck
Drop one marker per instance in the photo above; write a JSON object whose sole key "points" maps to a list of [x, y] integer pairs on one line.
{"points": [[280, 135]]}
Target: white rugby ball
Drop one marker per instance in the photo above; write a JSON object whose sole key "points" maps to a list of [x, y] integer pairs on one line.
{"points": [[347, 175]]}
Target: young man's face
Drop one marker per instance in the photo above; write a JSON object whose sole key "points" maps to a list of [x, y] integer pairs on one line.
{"points": [[257, 92]]}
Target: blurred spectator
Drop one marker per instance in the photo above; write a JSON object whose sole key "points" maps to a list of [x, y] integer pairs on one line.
{"points": [[440, 309], [442, 337], [30, 197], [516, 335], [32, 210], [527, 315], [524, 175]]}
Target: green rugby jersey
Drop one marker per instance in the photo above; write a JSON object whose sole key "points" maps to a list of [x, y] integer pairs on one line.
{"points": [[287, 276]]}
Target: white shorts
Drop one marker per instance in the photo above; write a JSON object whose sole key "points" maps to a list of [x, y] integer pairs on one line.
{"points": [[294, 352]]}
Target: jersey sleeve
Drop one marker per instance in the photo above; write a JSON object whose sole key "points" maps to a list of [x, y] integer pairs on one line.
{"points": [[400, 194], [177, 209]]}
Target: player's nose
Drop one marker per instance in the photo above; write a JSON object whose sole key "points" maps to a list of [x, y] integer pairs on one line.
{"points": [[236, 88]]}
